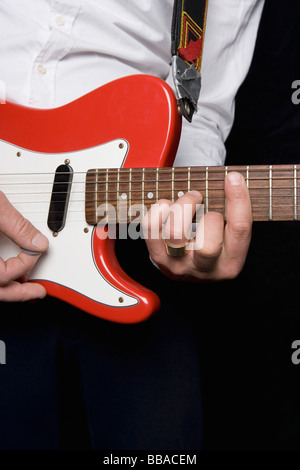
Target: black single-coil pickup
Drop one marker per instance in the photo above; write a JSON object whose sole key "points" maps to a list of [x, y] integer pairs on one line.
{"points": [[60, 198]]}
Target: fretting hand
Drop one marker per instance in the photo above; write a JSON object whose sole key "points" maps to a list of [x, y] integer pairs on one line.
{"points": [[219, 250]]}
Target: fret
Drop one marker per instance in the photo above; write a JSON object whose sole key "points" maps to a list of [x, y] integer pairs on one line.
{"points": [[106, 190], [247, 176], [206, 189], [118, 191], [130, 186], [270, 193], [226, 173], [143, 191], [295, 194], [189, 179], [297, 184], [157, 184], [96, 192], [173, 171]]}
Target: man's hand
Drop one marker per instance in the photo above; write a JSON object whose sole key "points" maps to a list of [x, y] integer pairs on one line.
{"points": [[218, 251], [14, 271]]}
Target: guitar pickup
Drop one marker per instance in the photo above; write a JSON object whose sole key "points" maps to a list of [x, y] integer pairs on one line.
{"points": [[60, 195]]}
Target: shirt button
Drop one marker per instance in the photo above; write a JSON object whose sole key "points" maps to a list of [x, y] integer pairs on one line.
{"points": [[42, 69], [60, 21]]}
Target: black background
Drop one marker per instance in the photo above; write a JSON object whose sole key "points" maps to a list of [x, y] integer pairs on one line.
{"points": [[237, 333]]}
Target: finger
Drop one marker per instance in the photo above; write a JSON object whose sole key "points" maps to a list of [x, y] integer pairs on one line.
{"points": [[19, 229], [238, 227], [152, 226], [177, 230], [208, 243], [18, 292], [16, 267]]}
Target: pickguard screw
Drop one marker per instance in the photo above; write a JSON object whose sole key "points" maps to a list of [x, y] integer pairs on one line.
{"points": [[86, 230], [121, 146], [67, 161], [18, 154], [54, 234], [121, 300]]}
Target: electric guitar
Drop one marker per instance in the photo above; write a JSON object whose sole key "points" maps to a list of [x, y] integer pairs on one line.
{"points": [[108, 156]]}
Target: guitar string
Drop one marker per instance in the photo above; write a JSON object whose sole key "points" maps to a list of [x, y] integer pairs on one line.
{"points": [[146, 181], [156, 181], [178, 170], [193, 169], [114, 217], [145, 190], [149, 182], [257, 201], [152, 200], [213, 206]]}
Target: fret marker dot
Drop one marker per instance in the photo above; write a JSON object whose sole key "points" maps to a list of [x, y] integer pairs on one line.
{"points": [[181, 193], [150, 195], [124, 196]]}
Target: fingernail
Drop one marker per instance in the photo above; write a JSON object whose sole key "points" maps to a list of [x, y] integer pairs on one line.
{"points": [[234, 178], [195, 193], [39, 241]]}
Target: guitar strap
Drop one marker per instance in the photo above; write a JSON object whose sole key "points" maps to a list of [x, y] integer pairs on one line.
{"points": [[187, 34]]}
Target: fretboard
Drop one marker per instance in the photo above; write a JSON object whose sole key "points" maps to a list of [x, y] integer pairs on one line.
{"points": [[274, 190]]}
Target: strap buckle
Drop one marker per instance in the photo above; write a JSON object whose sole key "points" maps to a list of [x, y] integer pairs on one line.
{"points": [[187, 82]]}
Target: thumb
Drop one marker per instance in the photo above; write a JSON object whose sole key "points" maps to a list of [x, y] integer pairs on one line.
{"points": [[237, 233], [19, 229]]}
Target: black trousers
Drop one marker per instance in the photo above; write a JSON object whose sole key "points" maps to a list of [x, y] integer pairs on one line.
{"points": [[73, 381], [212, 368]]}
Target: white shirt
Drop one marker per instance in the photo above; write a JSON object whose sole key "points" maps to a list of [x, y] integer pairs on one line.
{"points": [[53, 51]]}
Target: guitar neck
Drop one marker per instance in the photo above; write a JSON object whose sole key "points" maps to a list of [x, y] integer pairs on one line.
{"points": [[273, 190]]}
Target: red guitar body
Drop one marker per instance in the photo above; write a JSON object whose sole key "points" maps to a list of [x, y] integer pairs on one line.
{"points": [[139, 111]]}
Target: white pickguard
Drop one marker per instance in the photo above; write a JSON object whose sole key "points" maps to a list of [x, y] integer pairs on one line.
{"points": [[26, 178]]}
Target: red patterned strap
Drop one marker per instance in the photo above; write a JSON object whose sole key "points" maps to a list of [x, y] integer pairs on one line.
{"points": [[188, 28]]}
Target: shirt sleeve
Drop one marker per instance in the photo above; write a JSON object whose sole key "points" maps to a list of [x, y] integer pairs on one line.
{"points": [[231, 32]]}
